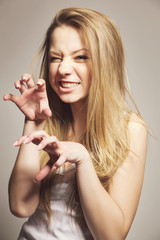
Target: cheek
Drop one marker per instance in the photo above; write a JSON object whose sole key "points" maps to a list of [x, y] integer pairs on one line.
{"points": [[85, 73]]}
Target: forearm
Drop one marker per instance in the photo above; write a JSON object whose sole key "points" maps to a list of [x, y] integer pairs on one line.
{"points": [[23, 191], [104, 218]]}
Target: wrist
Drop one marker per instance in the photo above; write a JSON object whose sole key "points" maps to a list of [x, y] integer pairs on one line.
{"points": [[30, 126], [85, 160]]}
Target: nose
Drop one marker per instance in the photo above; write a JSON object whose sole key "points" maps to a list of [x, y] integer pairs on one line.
{"points": [[65, 67]]}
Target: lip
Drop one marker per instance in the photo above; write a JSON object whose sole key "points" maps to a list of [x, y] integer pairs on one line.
{"points": [[68, 81], [67, 89]]}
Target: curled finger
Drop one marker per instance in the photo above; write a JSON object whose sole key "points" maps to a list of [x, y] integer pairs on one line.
{"points": [[28, 80], [41, 84], [19, 141], [47, 112], [36, 137], [10, 97], [61, 160], [20, 86], [44, 171], [49, 144]]}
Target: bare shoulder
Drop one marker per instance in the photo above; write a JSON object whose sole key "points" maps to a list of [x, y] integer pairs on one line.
{"points": [[138, 134], [135, 119], [136, 125]]}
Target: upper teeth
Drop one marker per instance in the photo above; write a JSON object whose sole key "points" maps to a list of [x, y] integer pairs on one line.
{"points": [[67, 84]]}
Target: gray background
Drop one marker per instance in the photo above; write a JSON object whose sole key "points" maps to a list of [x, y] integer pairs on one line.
{"points": [[22, 25]]}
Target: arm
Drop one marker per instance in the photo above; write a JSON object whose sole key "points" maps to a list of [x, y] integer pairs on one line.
{"points": [[109, 214], [23, 191]]}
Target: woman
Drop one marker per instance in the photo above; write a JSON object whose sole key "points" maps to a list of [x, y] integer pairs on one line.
{"points": [[94, 145]]}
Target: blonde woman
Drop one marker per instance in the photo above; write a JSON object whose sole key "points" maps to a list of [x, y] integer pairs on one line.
{"points": [[86, 183]]}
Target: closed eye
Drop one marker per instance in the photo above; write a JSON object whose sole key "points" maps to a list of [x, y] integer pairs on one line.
{"points": [[55, 59], [81, 58]]}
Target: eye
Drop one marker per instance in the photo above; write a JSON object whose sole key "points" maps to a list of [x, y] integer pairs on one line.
{"points": [[55, 59], [81, 58]]}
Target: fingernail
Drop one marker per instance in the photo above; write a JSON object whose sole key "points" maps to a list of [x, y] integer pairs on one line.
{"points": [[54, 168], [26, 140], [39, 147], [39, 83], [18, 85], [24, 78], [15, 143], [35, 180], [4, 97]]}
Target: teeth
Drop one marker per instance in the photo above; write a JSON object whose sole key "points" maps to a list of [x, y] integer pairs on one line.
{"points": [[68, 85]]}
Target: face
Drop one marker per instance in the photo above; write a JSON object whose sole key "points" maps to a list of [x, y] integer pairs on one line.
{"points": [[69, 65]]}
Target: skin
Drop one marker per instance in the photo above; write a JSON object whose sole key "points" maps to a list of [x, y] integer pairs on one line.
{"points": [[69, 63], [117, 207]]}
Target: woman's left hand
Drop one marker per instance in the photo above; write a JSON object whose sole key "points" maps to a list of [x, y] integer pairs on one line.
{"points": [[58, 151]]}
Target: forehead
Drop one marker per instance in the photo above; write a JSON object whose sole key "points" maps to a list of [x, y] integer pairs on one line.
{"points": [[67, 37]]}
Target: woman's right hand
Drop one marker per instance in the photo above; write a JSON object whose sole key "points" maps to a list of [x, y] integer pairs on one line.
{"points": [[33, 101]]}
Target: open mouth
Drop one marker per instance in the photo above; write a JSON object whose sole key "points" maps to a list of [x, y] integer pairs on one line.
{"points": [[68, 84]]}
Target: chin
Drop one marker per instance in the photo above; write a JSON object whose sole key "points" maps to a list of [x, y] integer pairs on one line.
{"points": [[69, 101]]}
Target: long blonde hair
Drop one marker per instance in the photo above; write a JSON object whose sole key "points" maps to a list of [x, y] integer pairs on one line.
{"points": [[106, 135]]}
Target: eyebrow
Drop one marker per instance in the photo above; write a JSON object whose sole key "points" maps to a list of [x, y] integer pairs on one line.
{"points": [[74, 52], [83, 49]]}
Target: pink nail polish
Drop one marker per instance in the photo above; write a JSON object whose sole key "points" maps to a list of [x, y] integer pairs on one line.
{"points": [[24, 78], [15, 143], [39, 83], [35, 180], [18, 85], [26, 141]]}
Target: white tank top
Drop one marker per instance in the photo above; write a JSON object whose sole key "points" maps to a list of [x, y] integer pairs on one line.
{"points": [[64, 224]]}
